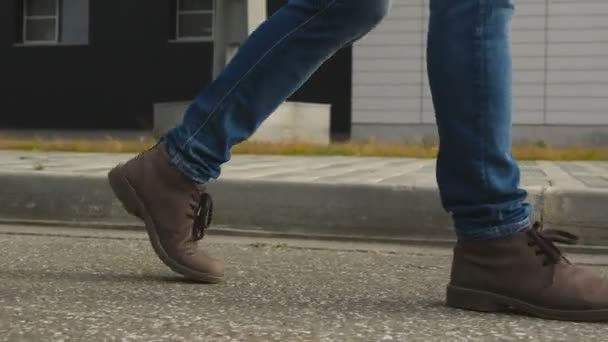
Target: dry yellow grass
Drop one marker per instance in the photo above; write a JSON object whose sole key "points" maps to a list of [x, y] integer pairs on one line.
{"points": [[67, 145], [371, 149]]}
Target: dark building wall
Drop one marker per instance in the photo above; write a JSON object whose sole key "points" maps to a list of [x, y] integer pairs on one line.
{"points": [[112, 82], [129, 63]]}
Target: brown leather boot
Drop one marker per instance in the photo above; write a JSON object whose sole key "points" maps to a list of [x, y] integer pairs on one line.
{"points": [[176, 212], [525, 273]]}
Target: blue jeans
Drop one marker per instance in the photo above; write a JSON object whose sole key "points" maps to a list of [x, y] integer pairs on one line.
{"points": [[469, 63]]}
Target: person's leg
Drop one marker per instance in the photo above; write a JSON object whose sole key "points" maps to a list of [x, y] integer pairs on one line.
{"points": [[164, 186], [469, 65], [273, 63], [499, 262]]}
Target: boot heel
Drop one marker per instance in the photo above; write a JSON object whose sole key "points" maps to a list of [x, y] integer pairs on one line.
{"points": [[462, 298]]}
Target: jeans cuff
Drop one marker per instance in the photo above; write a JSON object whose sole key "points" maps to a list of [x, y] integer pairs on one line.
{"points": [[493, 232], [182, 166]]}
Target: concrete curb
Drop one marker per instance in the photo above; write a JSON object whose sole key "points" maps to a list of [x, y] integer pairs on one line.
{"points": [[378, 212], [282, 207], [582, 212]]}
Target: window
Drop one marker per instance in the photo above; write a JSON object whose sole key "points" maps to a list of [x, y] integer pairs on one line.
{"points": [[194, 20], [40, 21], [54, 22]]}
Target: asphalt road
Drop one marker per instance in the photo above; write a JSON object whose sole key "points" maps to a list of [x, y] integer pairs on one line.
{"points": [[93, 285]]}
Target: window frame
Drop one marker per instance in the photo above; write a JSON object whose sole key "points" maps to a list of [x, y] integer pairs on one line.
{"points": [[25, 17], [179, 12]]}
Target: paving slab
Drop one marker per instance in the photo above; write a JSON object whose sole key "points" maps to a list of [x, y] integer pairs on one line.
{"points": [[355, 197]]}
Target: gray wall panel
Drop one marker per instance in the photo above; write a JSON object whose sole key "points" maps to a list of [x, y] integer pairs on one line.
{"points": [[560, 50]]}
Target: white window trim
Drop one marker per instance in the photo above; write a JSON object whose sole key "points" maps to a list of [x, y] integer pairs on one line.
{"points": [[179, 12], [25, 20]]}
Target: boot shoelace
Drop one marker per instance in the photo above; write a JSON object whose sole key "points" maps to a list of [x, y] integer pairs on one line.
{"points": [[202, 214], [545, 241], [201, 206]]}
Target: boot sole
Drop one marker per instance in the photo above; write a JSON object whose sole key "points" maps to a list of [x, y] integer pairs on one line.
{"points": [[132, 203], [483, 301]]}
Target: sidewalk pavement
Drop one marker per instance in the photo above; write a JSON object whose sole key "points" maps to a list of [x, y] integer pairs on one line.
{"points": [[335, 197]]}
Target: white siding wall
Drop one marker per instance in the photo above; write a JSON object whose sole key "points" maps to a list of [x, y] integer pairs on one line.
{"points": [[577, 62], [560, 50], [388, 68]]}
